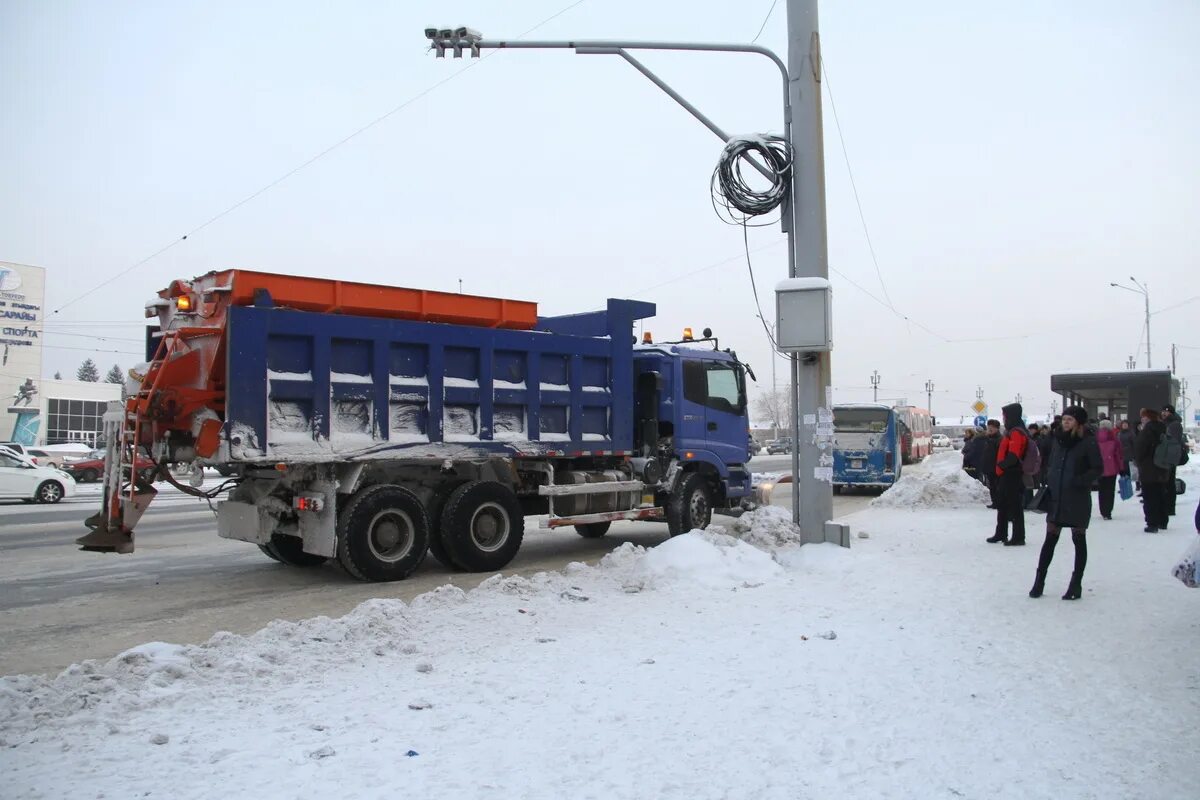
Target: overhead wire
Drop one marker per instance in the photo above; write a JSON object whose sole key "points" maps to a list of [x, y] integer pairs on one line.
{"points": [[854, 185], [766, 19], [307, 163]]}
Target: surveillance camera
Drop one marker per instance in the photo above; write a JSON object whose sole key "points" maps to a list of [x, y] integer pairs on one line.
{"points": [[470, 34], [445, 33], [431, 33]]}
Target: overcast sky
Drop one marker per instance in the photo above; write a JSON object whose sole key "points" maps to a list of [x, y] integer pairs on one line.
{"points": [[1012, 160]]}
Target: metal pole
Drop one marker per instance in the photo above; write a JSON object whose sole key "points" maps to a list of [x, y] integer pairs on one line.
{"points": [[774, 382], [929, 397], [1146, 292], [813, 492]]}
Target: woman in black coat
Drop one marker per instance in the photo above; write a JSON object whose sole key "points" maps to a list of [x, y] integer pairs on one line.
{"points": [[1075, 463]]}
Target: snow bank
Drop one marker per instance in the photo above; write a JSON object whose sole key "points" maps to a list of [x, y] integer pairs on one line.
{"points": [[937, 482], [888, 662], [711, 559]]}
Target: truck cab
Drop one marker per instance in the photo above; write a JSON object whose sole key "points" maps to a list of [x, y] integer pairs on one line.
{"points": [[691, 414]]}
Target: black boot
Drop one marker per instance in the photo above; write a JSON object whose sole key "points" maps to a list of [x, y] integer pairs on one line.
{"points": [[1075, 587], [1044, 559], [997, 538]]}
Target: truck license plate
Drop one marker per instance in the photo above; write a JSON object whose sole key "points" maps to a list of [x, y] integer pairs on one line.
{"points": [[856, 463]]}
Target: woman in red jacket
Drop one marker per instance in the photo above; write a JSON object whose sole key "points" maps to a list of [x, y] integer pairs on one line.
{"points": [[1114, 462]]}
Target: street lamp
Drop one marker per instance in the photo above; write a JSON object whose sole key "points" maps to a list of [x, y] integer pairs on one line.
{"points": [[875, 384], [929, 397], [802, 216], [1145, 293], [1130, 364]]}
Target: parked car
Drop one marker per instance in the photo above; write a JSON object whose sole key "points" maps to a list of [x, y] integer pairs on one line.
{"points": [[21, 479], [777, 446], [942, 442], [19, 449], [90, 470], [44, 458]]}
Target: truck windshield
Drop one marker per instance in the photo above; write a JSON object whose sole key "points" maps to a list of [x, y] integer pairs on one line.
{"points": [[860, 420]]}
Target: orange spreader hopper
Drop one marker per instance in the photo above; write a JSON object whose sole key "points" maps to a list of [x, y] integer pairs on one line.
{"points": [[361, 299]]}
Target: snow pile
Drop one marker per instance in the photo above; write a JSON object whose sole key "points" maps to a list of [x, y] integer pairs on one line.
{"points": [[710, 559], [767, 528], [159, 673], [937, 482]]}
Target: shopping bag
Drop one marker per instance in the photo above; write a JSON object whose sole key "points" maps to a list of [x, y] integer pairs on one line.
{"points": [[1040, 501], [1126, 487], [1186, 569]]}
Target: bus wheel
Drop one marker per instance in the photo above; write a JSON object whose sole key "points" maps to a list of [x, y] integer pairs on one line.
{"points": [[482, 526]]}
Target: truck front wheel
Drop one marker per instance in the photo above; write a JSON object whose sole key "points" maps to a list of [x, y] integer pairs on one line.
{"points": [[383, 534], [482, 526], [690, 505]]}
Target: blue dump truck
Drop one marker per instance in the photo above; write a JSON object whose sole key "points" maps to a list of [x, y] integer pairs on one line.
{"points": [[370, 432]]}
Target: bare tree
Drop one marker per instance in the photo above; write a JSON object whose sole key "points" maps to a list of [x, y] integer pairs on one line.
{"points": [[772, 405]]}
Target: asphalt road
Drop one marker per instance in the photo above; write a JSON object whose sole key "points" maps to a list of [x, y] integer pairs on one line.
{"points": [[59, 605]]}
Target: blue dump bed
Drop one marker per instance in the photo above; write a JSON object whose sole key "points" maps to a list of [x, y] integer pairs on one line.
{"points": [[306, 386]]}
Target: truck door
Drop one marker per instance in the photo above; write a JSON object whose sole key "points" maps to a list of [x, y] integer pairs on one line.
{"points": [[716, 389]]}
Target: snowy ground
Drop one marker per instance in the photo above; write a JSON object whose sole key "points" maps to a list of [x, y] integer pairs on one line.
{"points": [[911, 666]]}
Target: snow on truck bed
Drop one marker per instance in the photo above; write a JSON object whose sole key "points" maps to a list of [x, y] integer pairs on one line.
{"points": [[721, 663]]}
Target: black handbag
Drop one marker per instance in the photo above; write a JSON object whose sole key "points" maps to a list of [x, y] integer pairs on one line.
{"points": [[1039, 501], [1180, 486]]}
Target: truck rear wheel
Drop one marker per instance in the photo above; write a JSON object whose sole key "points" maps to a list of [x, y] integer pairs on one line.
{"points": [[383, 534], [592, 530], [690, 505], [482, 526], [290, 550]]}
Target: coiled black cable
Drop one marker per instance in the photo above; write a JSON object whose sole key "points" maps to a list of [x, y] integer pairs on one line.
{"points": [[734, 199]]}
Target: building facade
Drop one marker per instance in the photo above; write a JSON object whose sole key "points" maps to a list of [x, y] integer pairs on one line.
{"points": [[22, 299]]}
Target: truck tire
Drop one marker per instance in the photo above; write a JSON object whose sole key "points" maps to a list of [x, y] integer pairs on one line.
{"points": [[690, 505], [269, 553], [436, 545], [290, 550], [592, 530], [482, 526], [382, 534]]}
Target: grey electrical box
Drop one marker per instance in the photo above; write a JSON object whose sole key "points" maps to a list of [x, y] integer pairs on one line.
{"points": [[803, 315]]}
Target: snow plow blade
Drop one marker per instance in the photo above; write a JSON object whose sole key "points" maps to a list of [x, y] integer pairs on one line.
{"points": [[102, 539], [113, 532]]}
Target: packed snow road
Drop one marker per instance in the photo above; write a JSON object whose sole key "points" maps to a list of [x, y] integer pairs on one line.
{"points": [[59, 605]]}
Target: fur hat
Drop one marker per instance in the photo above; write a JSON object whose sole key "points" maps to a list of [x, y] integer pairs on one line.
{"points": [[1078, 412], [1106, 424], [1150, 414]]}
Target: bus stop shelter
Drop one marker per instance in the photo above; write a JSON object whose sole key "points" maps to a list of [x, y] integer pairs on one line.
{"points": [[1119, 395]]}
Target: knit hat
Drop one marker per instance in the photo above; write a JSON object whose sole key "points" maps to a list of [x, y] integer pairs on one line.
{"points": [[1078, 412]]}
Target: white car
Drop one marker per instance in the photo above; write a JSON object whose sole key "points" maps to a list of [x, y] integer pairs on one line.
{"points": [[942, 442], [21, 479]]}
